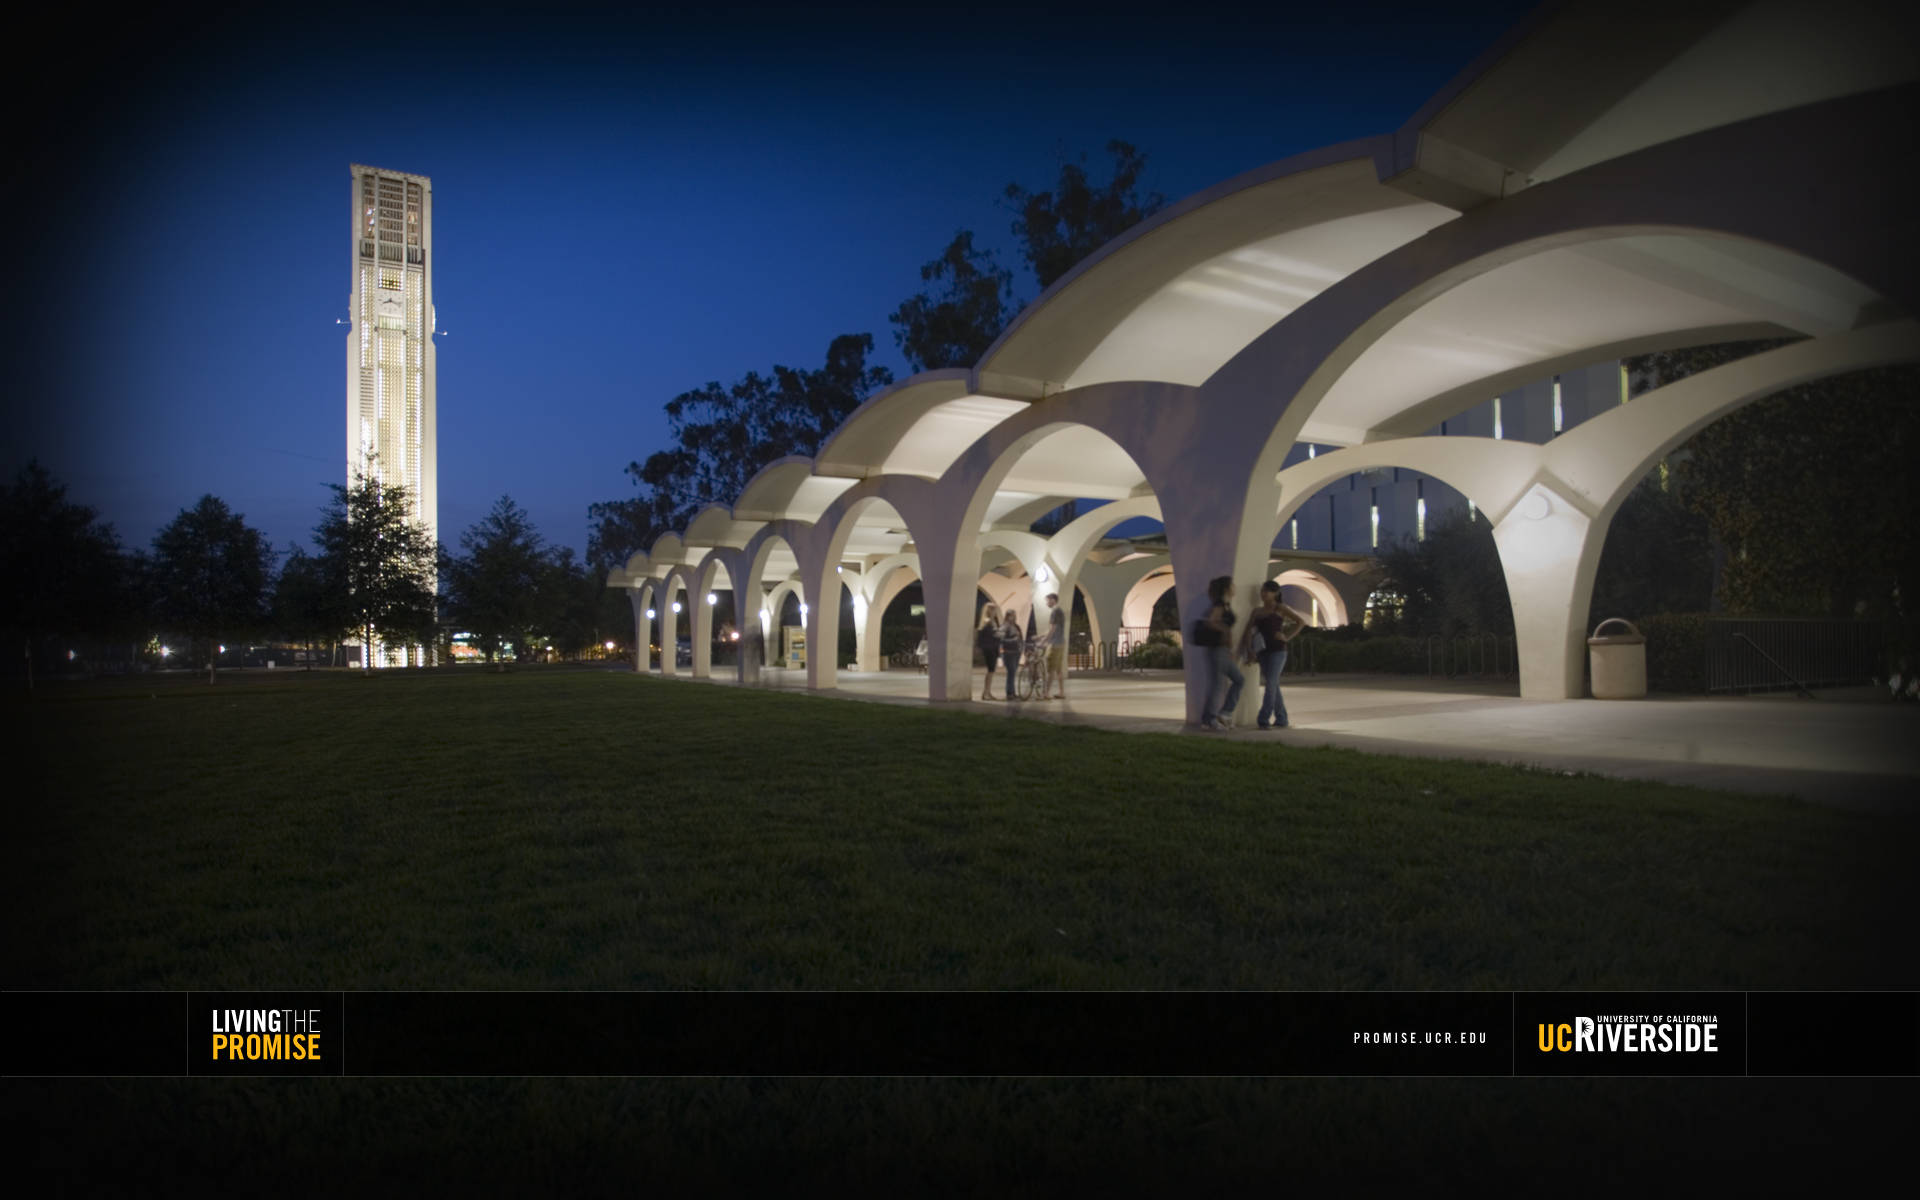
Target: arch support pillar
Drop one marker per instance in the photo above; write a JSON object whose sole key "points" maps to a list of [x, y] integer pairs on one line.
{"points": [[1549, 550]]}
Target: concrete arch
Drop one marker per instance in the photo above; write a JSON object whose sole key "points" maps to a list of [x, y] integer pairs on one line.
{"points": [[1332, 604], [873, 431], [1154, 577], [787, 489], [1679, 186], [676, 586], [1103, 588], [1127, 409], [905, 499]]}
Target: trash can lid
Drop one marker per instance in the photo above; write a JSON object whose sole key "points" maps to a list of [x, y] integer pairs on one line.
{"points": [[1633, 636]]}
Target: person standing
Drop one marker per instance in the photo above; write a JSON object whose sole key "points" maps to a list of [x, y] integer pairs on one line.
{"points": [[1010, 639], [987, 637], [1273, 625], [1055, 643], [1214, 633]]}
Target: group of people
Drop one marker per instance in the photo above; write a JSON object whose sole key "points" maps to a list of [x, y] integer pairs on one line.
{"points": [[1002, 641], [1265, 640]]}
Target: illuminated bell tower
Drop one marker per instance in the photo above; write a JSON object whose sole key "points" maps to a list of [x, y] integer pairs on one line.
{"points": [[390, 359]]}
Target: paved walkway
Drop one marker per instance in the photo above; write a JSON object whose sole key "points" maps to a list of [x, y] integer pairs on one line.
{"points": [[1850, 748]]}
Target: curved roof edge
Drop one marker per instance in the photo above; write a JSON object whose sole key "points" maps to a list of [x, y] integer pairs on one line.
{"points": [[869, 433], [990, 376]]}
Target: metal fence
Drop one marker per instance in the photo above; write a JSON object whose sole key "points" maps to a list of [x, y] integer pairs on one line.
{"points": [[1485, 655], [1746, 654]]}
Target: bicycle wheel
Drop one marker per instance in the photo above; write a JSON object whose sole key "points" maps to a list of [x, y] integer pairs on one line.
{"points": [[1028, 670]]}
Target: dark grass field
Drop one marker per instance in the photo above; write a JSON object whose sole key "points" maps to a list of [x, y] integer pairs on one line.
{"points": [[593, 830]]}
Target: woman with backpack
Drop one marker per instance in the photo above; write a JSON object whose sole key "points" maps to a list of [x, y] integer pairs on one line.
{"points": [[1268, 632], [1214, 632], [987, 637], [1011, 638]]}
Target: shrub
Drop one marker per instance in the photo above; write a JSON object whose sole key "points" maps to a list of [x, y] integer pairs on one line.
{"points": [[1158, 653], [1676, 651], [1391, 655]]}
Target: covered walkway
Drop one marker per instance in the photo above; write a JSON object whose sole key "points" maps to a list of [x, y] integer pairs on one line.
{"points": [[1601, 184]]}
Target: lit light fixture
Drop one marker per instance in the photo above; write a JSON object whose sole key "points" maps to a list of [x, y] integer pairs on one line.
{"points": [[734, 636], [712, 599], [609, 646], [164, 652], [676, 606], [651, 614], [1044, 574], [803, 612], [223, 649]]}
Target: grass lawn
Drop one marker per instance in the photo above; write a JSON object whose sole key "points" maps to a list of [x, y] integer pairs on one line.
{"points": [[590, 829], [574, 829]]}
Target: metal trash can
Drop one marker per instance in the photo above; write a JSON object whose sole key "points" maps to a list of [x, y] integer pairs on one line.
{"points": [[1618, 662]]}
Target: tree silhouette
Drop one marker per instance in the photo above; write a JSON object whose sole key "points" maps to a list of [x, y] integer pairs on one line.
{"points": [[209, 576]]}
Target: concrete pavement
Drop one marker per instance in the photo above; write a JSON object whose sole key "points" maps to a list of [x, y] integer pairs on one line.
{"points": [[1850, 748]]}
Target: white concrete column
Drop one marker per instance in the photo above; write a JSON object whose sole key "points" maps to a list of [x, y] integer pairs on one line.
{"points": [[1549, 550], [636, 598], [885, 585], [823, 618], [670, 594], [702, 635], [1203, 546]]}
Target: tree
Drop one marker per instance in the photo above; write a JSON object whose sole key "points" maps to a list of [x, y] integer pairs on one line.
{"points": [[1451, 583], [304, 607], [571, 602], [1058, 228], [499, 586], [724, 436], [210, 572], [1765, 479], [954, 325], [1658, 557], [618, 529], [378, 562], [64, 569]]}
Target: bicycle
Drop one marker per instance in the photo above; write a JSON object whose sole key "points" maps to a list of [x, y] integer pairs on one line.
{"points": [[1034, 679]]}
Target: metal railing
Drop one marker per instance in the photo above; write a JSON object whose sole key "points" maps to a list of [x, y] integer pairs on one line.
{"points": [[1482, 656], [1756, 654]]}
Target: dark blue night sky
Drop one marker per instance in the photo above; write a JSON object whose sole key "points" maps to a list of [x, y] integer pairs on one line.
{"points": [[624, 209]]}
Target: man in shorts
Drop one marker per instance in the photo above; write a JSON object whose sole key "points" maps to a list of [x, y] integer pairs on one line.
{"points": [[1056, 646]]}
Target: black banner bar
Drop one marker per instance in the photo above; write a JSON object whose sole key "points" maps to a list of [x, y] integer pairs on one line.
{"points": [[94, 1033], [930, 1033], [1091, 1034]]}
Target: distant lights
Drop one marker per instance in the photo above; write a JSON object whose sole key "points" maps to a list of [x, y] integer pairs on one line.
{"points": [[609, 646]]}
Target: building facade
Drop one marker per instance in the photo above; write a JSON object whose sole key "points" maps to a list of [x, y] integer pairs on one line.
{"points": [[390, 353]]}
